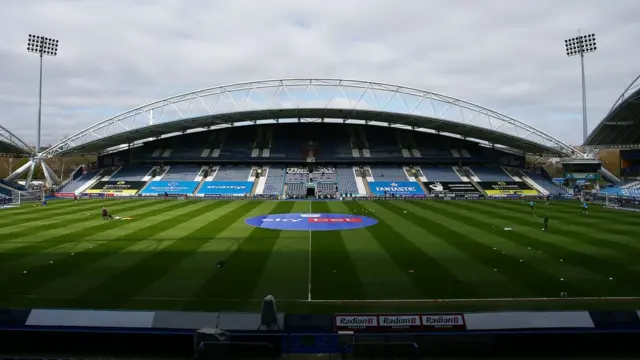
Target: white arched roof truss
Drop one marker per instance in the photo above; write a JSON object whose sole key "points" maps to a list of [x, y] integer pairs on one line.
{"points": [[11, 140], [274, 96]]}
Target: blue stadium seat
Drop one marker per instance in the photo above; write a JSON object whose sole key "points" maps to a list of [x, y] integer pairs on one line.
{"points": [[490, 173], [440, 173], [134, 173], [275, 180]]}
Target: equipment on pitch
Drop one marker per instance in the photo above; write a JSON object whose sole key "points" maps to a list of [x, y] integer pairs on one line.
{"points": [[269, 316]]}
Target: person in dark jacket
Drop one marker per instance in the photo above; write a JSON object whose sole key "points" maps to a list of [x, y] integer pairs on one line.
{"points": [[105, 214]]}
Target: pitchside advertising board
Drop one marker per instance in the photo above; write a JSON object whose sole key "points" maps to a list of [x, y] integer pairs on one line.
{"points": [[116, 187], [395, 187], [436, 187], [507, 188], [404, 322], [170, 187], [225, 188]]}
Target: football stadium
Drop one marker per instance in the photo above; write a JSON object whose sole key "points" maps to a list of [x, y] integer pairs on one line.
{"points": [[330, 196]]}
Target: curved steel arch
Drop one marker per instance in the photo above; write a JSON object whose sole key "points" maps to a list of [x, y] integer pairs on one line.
{"points": [[12, 140], [629, 91], [633, 90], [309, 93]]}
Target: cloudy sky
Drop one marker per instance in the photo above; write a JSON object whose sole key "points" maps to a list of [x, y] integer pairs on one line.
{"points": [[507, 55]]}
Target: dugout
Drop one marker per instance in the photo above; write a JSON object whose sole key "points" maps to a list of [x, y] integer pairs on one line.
{"points": [[612, 334]]}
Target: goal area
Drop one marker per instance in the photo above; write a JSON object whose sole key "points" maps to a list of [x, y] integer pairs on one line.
{"points": [[19, 197]]}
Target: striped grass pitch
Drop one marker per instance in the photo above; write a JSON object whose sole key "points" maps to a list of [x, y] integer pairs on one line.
{"points": [[422, 255]]}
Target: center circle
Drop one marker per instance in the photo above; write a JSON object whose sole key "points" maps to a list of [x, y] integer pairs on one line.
{"points": [[311, 222]]}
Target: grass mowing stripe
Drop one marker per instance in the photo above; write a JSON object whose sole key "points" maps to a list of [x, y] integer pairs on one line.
{"points": [[622, 242], [585, 228], [81, 217], [32, 245], [577, 287], [125, 284], [440, 283], [328, 253], [596, 212], [600, 286], [380, 276], [584, 221], [54, 212], [238, 278], [289, 260], [480, 278], [44, 273], [621, 250], [520, 273], [187, 277], [28, 208], [607, 267]]}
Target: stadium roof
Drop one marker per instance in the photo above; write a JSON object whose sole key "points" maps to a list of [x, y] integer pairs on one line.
{"points": [[312, 100], [621, 126], [11, 144]]}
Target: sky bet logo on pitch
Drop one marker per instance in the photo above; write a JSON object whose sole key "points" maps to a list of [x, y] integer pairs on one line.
{"points": [[311, 222], [395, 187]]}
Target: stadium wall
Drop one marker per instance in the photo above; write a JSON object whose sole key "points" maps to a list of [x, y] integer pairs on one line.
{"points": [[170, 333]]}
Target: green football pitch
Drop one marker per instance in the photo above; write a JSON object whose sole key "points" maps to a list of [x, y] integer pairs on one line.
{"points": [[421, 255]]}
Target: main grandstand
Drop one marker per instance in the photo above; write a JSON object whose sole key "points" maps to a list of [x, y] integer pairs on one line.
{"points": [[311, 137]]}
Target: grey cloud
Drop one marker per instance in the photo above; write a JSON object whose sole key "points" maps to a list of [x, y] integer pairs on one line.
{"points": [[505, 55]]}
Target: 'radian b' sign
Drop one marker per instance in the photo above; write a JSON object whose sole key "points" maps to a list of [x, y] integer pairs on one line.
{"points": [[417, 322]]}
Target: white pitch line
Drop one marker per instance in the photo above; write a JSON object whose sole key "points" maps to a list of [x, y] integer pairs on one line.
{"points": [[604, 298], [309, 278]]}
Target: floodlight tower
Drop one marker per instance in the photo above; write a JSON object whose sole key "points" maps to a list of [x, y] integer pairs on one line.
{"points": [[42, 46], [581, 45]]}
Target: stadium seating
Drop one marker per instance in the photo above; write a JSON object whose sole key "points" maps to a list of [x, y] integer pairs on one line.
{"points": [[545, 183], [134, 173], [287, 145], [12, 185], [388, 173], [275, 181], [635, 184], [238, 143], [382, 144], [490, 173], [232, 173], [346, 180], [333, 145], [296, 189], [182, 172], [75, 184], [5, 192], [325, 188], [324, 174], [440, 173], [187, 147], [296, 177]]}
